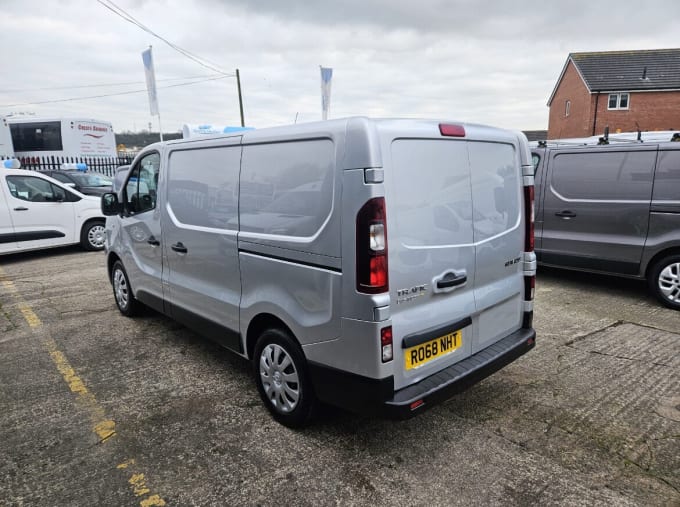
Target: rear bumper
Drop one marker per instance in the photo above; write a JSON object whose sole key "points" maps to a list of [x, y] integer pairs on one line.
{"points": [[377, 396]]}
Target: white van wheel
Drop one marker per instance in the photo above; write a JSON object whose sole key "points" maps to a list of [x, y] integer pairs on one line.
{"points": [[125, 300], [664, 281], [93, 235], [282, 379]]}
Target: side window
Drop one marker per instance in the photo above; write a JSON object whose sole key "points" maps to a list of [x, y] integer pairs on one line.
{"points": [[612, 176], [535, 159], [667, 184], [140, 190], [203, 186], [32, 189], [287, 188]]}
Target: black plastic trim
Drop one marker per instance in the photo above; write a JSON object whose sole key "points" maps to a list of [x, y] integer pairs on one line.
{"points": [[528, 320], [288, 259], [459, 376], [349, 390], [226, 337], [8, 238], [430, 334], [596, 264], [377, 397], [30, 236]]}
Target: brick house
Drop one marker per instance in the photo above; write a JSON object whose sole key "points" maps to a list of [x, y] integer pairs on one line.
{"points": [[624, 90]]}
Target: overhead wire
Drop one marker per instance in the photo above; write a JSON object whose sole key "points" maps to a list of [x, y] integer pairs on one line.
{"points": [[129, 92], [104, 85], [110, 5]]}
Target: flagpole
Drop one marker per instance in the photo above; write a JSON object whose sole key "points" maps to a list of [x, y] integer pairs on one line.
{"points": [[159, 125]]}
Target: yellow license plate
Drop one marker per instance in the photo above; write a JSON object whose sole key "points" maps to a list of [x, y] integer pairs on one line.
{"points": [[415, 357]]}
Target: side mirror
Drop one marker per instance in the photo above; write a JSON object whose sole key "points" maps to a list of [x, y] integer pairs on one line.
{"points": [[110, 204]]}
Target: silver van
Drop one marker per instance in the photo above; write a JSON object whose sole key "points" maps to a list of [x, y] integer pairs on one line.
{"points": [[612, 209], [380, 266]]}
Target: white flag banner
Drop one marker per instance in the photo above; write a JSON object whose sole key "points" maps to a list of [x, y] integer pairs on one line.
{"points": [[150, 75], [326, 76]]}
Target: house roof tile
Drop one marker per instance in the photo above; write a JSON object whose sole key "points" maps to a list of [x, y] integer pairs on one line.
{"points": [[656, 69]]}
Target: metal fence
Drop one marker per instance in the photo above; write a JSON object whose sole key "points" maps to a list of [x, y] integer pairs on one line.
{"points": [[105, 165]]}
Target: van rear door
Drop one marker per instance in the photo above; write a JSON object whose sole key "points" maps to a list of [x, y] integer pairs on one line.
{"points": [[455, 245], [431, 255]]}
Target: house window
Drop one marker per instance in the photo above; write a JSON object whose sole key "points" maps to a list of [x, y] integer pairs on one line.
{"points": [[618, 101], [567, 107]]}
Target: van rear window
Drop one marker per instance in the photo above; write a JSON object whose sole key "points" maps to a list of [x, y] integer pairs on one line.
{"points": [[431, 203]]}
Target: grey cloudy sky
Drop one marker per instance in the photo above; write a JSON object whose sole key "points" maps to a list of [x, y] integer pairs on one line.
{"points": [[493, 62]]}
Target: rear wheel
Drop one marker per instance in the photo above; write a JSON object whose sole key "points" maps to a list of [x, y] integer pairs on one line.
{"points": [[92, 235], [282, 379], [126, 302], [664, 281]]}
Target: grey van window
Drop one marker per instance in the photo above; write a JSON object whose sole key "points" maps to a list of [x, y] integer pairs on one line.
{"points": [[287, 188], [431, 184], [667, 184], [495, 188], [203, 186], [611, 176], [140, 190]]}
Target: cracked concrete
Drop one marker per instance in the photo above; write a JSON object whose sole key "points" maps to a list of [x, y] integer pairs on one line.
{"points": [[591, 416]]}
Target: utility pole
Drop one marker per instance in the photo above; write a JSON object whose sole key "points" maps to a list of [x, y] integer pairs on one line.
{"points": [[240, 98]]}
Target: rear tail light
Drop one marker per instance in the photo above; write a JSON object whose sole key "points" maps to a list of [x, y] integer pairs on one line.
{"points": [[529, 218], [371, 247], [386, 344]]}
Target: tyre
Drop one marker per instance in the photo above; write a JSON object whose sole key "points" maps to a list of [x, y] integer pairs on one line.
{"points": [[664, 281], [93, 235], [282, 379], [125, 300]]}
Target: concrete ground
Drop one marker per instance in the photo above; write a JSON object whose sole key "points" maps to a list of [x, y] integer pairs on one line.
{"points": [[99, 409]]}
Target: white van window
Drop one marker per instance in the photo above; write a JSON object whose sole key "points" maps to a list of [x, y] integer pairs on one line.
{"points": [[39, 136], [432, 205], [32, 189], [495, 188], [203, 186], [287, 188], [614, 176]]}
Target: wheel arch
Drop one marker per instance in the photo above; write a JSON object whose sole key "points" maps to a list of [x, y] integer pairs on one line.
{"points": [[674, 250], [259, 324]]}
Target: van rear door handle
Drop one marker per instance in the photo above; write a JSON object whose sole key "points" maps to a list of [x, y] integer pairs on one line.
{"points": [[179, 247], [451, 280], [20, 208], [565, 214], [153, 241]]}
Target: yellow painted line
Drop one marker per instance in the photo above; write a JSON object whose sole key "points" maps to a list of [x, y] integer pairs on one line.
{"points": [[103, 427]]}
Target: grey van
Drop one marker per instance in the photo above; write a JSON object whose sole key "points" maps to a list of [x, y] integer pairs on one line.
{"points": [[612, 209], [380, 266]]}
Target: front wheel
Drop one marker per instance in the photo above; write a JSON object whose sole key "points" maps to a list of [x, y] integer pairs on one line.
{"points": [[282, 379], [92, 235], [664, 281], [125, 300]]}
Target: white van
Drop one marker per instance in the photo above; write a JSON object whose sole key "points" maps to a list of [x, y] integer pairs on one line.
{"points": [[61, 137], [6, 147], [38, 212], [377, 265]]}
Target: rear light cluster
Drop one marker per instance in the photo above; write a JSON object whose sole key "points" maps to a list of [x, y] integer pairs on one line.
{"points": [[371, 247], [386, 344], [529, 281]]}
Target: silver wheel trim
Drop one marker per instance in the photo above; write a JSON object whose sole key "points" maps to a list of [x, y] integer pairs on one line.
{"points": [[96, 235], [279, 378], [120, 289], [669, 282]]}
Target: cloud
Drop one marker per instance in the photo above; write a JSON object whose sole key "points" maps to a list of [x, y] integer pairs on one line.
{"points": [[493, 62]]}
